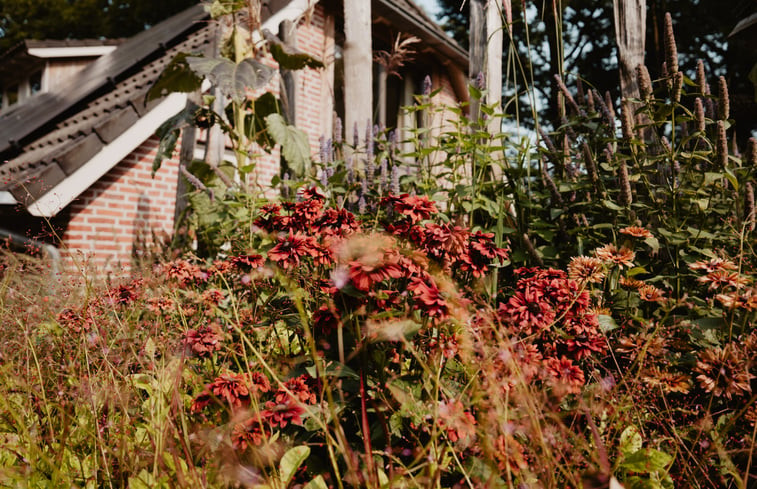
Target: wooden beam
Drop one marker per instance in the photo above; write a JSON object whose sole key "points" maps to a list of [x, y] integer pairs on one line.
{"points": [[477, 53], [358, 65]]}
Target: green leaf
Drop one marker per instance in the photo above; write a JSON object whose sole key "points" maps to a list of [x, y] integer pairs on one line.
{"points": [[317, 483], [606, 323], [288, 57], [176, 77], [232, 79], [291, 461], [653, 243], [647, 460], [611, 205], [169, 133], [295, 147], [630, 441]]}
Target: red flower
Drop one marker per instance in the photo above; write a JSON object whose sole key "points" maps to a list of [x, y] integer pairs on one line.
{"points": [[324, 321], [370, 269], [336, 222], [281, 414], [204, 341], [528, 310], [299, 389], [232, 388], [482, 252], [569, 376], [416, 208], [292, 248], [247, 262], [250, 432], [428, 298]]}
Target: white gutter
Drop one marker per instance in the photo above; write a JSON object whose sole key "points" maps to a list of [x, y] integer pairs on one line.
{"points": [[7, 199], [71, 51], [66, 191]]}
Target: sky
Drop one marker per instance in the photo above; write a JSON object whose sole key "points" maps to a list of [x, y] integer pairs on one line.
{"points": [[430, 6]]}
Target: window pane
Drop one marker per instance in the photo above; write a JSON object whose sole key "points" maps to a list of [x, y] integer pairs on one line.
{"points": [[35, 83]]}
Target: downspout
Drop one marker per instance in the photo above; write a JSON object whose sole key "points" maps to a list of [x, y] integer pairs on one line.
{"points": [[50, 252]]}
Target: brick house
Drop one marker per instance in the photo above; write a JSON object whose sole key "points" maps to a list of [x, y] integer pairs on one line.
{"points": [[77, 137]]}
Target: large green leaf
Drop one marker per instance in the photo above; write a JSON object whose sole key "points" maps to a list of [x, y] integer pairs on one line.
{"points": [[287, 57], [232, 79], [176, 77], [169, 133], [294, 143], [291, 461]]}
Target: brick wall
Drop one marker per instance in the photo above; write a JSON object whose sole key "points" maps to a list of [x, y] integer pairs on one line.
{"points": [[126, 206], [121, 209]]}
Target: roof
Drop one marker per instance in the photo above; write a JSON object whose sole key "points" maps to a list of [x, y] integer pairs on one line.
{"points": [[19, 126], [407, 17], [49, 138]]}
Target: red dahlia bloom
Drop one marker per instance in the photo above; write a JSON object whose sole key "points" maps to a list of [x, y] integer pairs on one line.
{"points": [[428, 298], [292, 248], [416, 208]]}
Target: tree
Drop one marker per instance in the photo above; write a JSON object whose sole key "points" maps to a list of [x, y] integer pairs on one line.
{"points": [[80, 19], [585, 47]]}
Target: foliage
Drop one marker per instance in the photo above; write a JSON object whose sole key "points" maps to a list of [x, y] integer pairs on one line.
{"points": [[80, 19]]}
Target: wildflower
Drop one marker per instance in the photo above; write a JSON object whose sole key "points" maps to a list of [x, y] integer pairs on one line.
{"points": [[212, 297], [586, 269], [631, 283], [428, 297], [70, 319], [657, 378], [369, 270], [205, 340], [247, 262], [298, 389], [291, 249], [644, 81], [482, 252], [459, 423], [626, 196], [701, 78], [723, 102], [184, 272], [123, 294], [324, 321], [231, 388], [671, 51], [281, 414], [527, 310], [416, 208], [568, 375], [250, 432], [722, 278], [160, 305], [636, 232], [724, 371], [650, 293], [713, 265], [622, 257], [722, 145], [509, 453]]}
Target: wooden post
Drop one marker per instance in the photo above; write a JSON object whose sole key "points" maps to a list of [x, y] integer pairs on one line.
{"points": [[630, 32], [288, 35], [477, 42], [494, 61], [186, 156], [358, 65]]}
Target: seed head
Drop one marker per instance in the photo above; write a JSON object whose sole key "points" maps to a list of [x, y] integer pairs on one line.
{"points": [[677, 86], [751, 153], [644, 81], [671, 51], [723, 102], [749, 206], [590, 102], [625, 198], [699, 115], [722, 145], [626, 120], [701, 78]]}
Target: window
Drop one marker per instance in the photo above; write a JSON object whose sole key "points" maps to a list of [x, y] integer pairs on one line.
{"points": [[35, 83]]}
